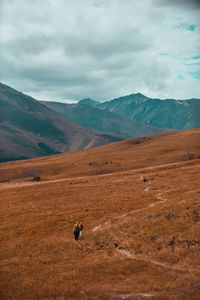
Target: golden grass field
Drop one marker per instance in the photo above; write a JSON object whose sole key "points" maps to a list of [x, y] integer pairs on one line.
{"points": [[141, 239]]}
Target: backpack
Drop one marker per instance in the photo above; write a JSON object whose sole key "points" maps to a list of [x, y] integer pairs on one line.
{"points": [[76, 229]]}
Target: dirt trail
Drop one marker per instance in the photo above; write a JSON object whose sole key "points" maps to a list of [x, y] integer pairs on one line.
{"points": [[136, 296], [161, 199], [5, 185], [127, 254], [91, 143], [9, 185], [132, 296], [108, 223]]}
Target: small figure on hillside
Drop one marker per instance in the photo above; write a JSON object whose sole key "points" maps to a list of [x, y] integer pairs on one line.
{"points": [[76, 231], [144, 179], [80, 228], [172, 243]]}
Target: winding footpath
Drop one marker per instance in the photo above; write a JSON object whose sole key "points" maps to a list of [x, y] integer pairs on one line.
{"points": [[106, 224], [127, 254]]}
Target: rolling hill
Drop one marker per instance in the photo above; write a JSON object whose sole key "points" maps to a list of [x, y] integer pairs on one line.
{"points": [[139, 201], [30, 129], [166, 148]]}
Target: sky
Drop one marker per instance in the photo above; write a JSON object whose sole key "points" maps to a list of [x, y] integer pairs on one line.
{"points": [[67, 50]]}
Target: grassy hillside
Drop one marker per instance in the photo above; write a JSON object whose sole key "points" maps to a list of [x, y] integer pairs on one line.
{"points": [[121, 156], [139, 201]]}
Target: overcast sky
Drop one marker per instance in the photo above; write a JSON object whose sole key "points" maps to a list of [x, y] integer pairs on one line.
{"points": [[72, 49]]}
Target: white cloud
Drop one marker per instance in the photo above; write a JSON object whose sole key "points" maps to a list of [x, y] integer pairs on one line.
{"points": [[63, 50]]}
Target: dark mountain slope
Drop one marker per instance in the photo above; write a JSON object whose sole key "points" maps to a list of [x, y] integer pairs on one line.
{"points": [[102, 120], [30, 129], [179, 114]]}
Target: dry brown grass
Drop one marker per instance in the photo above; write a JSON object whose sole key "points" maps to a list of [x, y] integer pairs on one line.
{"points": [[132, 251]]}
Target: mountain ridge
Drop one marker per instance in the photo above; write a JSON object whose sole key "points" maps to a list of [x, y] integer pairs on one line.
{"points": [[93, 117], [168, 113], [30, 129]]}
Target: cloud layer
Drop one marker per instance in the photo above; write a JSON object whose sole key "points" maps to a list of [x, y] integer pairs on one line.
{"points": [[67, 50]]}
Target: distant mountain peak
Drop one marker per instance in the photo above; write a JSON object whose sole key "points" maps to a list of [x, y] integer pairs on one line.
{"points": [[137, 95], [140, 94], [168, 113], [84, 99], [88, 99], [132, 97]]}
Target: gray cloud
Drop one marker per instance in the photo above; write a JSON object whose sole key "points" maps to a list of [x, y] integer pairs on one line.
{"points": [[194, 4], [62, 50]]}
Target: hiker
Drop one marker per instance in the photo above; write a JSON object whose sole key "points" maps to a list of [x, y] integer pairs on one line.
{"points": [[76, 231], [172, 243], [81, 228]]}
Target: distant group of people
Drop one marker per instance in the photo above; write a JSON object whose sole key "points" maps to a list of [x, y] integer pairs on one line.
{"points": [[77, 230]]}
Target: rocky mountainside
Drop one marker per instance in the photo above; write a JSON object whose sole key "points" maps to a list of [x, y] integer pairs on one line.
{"points": [[169, 113], [86, 114], [30, 129]]}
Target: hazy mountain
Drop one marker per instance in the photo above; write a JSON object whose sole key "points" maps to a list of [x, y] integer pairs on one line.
{"points": [[89, 102], [30, 129], [90, 116], [169, 113]]}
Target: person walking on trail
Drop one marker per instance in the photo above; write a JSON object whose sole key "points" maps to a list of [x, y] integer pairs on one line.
{"points": [[80, 228], [76, 231]]}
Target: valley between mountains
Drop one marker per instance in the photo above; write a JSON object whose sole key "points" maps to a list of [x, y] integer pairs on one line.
{"points": [[139, 201]]}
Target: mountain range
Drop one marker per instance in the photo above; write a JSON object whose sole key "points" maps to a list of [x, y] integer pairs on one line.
{"points": [[134, 115], [169, 113], [30, 129], [88, 115]]}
